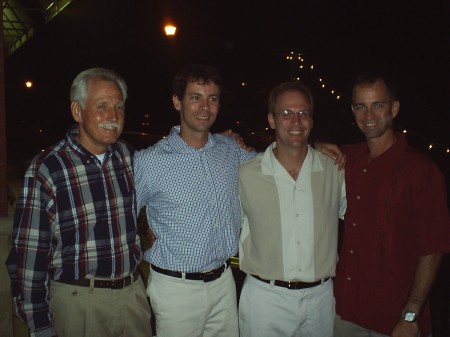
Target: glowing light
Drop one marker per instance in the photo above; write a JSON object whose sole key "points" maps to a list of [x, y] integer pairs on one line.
{"points": [[338, 97], [405, 131], [332, 91], [323, 85], [244, 84], [320, 80], [170, 30], [430, 146], [28, 84], [312, 66]]}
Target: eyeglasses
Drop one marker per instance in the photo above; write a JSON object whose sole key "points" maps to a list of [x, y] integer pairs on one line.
{"points": [[288, 114]]}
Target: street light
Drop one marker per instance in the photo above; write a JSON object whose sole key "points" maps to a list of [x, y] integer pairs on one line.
{"points": [[170, 29]]}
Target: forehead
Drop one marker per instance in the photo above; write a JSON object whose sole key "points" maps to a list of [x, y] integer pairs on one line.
{"points": [[202, 86], [371, 92], [292, 98], [99, 88]]}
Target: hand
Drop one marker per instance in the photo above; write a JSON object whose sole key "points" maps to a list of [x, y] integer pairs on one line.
{"points": [[406, 329], [151, 237], [237, 137], [332, 151]]}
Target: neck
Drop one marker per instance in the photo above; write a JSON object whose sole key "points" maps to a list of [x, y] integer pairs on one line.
{"points": [[379, 145], [196, 140], [292, 161]]}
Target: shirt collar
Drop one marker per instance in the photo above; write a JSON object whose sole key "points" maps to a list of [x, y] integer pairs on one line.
{"points": [[75, 146], [179, 145], [270, 165]]}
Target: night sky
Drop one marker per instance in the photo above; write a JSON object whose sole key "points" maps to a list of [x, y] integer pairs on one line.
{"points": [[248, 42]]}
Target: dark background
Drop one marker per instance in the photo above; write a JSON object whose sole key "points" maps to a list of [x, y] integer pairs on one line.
{"points": [[248, 41]]}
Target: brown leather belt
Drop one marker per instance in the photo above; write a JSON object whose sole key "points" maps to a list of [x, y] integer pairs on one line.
{"points": [[205, 277], [293, 285], [111, 284]]}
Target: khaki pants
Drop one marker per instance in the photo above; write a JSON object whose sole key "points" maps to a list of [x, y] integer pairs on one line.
{"points": [[187, 308], [96, 312]]}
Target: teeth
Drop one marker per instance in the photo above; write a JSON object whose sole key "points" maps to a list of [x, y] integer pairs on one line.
{"points": [[370, 124], [202, 117], [295, 132], [109, 126]]}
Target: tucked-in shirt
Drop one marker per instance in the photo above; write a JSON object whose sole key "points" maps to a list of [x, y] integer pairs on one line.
{"points": [[191, 200], [290, 227], [397, 212], [75, 217]]}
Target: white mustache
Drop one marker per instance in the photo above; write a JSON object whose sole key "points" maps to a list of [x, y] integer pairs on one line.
{"points": [[109, 125]]}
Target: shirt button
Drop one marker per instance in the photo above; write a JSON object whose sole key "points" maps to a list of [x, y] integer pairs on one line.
{"points": [[349, 278], [354, 224], [365, 170], [358, 197], [297, 215], [351, 251]]}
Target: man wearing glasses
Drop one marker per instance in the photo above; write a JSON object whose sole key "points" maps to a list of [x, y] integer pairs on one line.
{"points": [[291, 197]]}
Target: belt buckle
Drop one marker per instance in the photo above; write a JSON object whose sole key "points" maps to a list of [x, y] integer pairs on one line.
{"points": [[210, 276]]}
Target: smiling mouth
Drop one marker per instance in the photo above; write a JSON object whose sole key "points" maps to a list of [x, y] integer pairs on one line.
{"points": [[202, 117], [109, 126], [370, 124], [295, 132]]}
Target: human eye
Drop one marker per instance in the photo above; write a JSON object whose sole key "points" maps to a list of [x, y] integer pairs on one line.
{"points": [[304, 114], [379, 106], [214, 99], [358, 107], [194, 98], [102, 106], [119, 107], [286, 114]]}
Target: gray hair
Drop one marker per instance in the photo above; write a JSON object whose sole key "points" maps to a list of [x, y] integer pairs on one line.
{"points": [[78, 90]]}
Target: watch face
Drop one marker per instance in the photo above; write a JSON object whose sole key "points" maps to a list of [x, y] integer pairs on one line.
{"points": [[409, 316]]}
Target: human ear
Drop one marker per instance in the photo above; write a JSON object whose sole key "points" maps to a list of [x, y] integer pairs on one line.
{"points": [[75, 108], [176, 102]]}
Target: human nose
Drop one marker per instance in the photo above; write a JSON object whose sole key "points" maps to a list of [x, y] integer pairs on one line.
{"points": [[370, 113], [112, 113], [296, 117], [204, 104]]}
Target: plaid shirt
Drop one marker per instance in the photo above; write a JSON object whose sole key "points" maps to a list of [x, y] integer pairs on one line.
{"points": [[75, 216]]}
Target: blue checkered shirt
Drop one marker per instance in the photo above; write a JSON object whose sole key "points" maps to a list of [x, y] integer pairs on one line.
{"points": [[191, 199]]}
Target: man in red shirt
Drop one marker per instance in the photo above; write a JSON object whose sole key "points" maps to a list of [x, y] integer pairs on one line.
{"points": [[397, 224]]}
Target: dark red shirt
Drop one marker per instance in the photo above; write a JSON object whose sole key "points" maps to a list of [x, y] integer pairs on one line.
{"points": [[396, 212]]}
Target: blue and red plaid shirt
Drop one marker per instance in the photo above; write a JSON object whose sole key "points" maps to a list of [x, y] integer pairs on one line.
{"points": [[75, 216]]}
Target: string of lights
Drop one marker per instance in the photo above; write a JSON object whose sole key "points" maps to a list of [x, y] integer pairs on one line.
{"points": [[298, 58]]}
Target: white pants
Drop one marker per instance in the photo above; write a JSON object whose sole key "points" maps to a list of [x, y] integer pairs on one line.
{"points": [[194, 308], [270, 311], [348, 329]]}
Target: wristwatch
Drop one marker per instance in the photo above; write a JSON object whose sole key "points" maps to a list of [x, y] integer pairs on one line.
{"points": [[409, 316]]}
